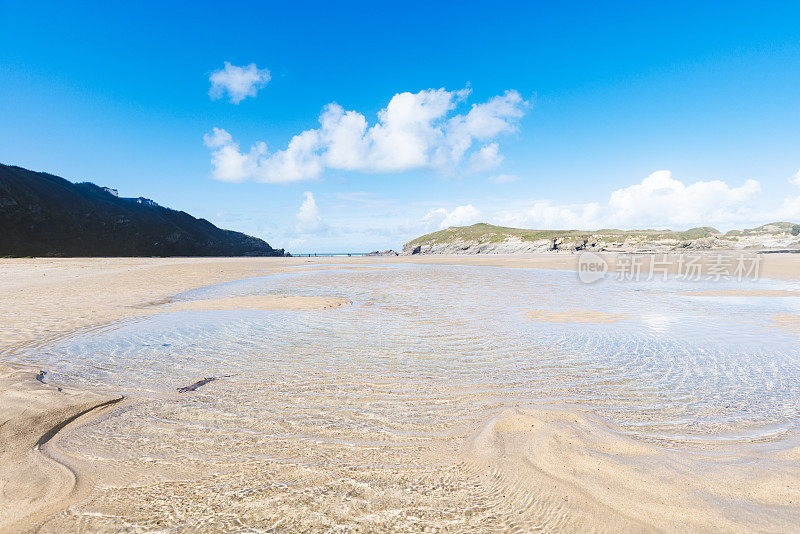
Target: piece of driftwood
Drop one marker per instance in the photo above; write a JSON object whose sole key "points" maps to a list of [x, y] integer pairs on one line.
{"points": [[202, 382]]}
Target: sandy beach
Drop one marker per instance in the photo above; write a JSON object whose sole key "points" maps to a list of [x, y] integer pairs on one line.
{"points": [[328, 267], [89, 457]]}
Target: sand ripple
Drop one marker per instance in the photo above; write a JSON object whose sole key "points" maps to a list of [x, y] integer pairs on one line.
{"points": [[420, 406]]}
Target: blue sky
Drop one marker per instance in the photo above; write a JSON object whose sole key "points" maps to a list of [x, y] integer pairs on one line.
{"points": [[619, 114]]}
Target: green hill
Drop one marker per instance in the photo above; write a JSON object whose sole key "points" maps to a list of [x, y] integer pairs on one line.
{"points": [[489, 233], [487, 238]]}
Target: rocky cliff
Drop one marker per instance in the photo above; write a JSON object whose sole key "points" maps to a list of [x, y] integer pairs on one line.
{"points": [[484, 238], [44, 215]]}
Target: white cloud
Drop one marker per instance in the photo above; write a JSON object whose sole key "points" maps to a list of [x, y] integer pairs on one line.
{"points": [[414, 131], [459, 216], [237, 82], [485, 121], [217, 138], [409, 133], [229, 164], [503, 178], [309, 220], [789, 210], [298, 162], [343, 136], [658, 201], [488, 157], [544, 215]]}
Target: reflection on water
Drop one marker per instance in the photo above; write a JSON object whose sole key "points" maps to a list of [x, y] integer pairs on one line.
{"points": [[349, 401]]}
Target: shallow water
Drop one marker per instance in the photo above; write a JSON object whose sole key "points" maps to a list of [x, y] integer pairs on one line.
{"points": [[401, 378], [676, 364]]}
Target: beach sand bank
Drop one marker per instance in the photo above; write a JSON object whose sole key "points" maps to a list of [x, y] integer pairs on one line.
{"points": [[34, 479]]}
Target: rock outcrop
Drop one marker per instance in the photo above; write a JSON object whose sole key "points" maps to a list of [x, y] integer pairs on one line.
{"points": [[382, 253], [484, 238]]}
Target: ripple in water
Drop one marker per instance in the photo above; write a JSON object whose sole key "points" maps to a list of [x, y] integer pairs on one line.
{"points": [[424, 344]]}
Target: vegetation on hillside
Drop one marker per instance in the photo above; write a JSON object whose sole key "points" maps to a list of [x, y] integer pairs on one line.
{"points": [[44, 215], [489, 233]]}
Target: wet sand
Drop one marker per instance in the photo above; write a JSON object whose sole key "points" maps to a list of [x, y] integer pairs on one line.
{"points": [[256, 302], [774, 293], [34, 480], [531, 467], [787, 321], [574, 316]]}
